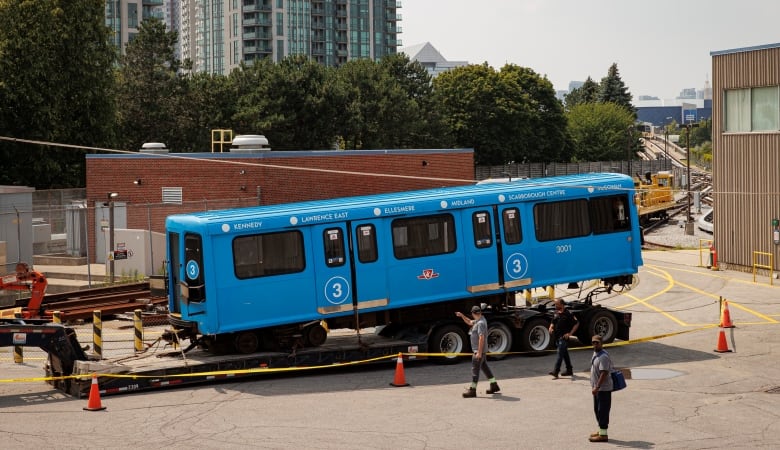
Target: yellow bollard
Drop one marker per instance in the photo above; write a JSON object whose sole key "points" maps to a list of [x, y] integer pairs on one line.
{"points": [[56, 317], [97, 334], [139, 330], [18, 354]]}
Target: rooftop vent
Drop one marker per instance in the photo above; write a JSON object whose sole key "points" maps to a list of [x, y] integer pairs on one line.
{"points": [[154, 148], [250, 143]]}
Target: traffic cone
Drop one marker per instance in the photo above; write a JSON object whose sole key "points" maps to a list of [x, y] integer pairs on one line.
{"points": [[725, 317], [723, 346], [93, 404], [399, 380]]}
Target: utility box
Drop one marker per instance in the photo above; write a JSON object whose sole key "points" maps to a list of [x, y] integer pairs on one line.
{"points": [[137, 253], [16, 225]]}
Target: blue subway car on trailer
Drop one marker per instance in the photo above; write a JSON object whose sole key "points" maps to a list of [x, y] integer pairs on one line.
{"points": [[279, 276]]}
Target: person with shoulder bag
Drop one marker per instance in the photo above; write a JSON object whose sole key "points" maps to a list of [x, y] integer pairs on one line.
{"points": [[601, 388]]}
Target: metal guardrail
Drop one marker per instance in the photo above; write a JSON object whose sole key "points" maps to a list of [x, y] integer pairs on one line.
{"points": [[769, 267]]}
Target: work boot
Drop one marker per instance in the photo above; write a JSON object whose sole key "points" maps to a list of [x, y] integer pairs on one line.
{"points": [[493, 388], [470, 393], [599, 438], [554, 375], [568, 373]]}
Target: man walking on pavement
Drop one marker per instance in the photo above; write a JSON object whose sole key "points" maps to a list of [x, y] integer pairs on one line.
{"points": [[478, 333], [563, 326], [601, 388]]}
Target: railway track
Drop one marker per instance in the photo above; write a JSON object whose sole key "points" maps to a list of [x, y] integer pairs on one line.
{"points": [[111, 300]]}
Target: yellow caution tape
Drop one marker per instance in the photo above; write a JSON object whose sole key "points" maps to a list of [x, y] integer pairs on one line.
{"points": [[340, 364]]}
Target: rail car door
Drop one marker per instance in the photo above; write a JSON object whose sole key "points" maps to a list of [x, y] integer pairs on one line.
{"points": [[370, 268], [174, 266], [333, 275], [482, 247], [348, 274], [515, 264]]}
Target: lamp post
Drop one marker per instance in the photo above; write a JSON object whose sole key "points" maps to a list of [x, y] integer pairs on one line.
{"points": [[688, 219], [666, 143], [628, 148], [111, 197]]}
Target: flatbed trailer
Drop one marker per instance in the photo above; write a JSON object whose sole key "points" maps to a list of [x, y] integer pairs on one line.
{"points": [[171, 368], [511, 329]]}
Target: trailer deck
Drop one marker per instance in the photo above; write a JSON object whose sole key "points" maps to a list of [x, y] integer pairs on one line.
{"points": [[167, 367]]}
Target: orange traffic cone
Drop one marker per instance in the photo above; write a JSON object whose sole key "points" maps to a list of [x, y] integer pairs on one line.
{"points": [[399, 380], [93, 404], [723, 346], [725, 317]]}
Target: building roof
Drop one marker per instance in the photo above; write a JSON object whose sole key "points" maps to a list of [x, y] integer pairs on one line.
{"points": [[744, 49], [424, 53]]}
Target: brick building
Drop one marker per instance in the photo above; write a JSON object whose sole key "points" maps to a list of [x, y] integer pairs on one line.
{"points": [[152, 185]]}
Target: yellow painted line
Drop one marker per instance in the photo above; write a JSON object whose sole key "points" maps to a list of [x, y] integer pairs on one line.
{"points": [[731, 302], [714, 274], [755, 313], [644, 302]]}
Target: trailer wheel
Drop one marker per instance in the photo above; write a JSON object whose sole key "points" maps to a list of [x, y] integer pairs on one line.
{"points": [[499, 340], [536, 335], [604, 324], [247, 342], [448, 339], [315, 335]]}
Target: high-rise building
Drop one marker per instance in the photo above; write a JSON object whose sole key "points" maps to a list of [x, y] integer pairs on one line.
{"points": [[217, 35], [124, 17]]}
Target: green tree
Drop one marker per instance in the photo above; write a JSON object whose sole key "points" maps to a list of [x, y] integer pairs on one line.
{"points": [[149, 87], [291, 103], [474, 110], [539, 128], [377, 107], [587, 93], [420, 123], [613, 90], [601, 131], [510, 115], [207, 102], [56, 84]]}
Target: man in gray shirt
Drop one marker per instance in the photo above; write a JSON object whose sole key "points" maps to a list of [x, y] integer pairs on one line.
{"points": [[601, 388], [478, 334]]}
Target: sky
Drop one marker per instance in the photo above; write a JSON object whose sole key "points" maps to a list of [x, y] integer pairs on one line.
{"points": [[660, 47]]}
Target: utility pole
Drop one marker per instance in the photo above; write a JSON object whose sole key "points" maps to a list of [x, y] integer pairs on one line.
{"points": [[689, 218]]}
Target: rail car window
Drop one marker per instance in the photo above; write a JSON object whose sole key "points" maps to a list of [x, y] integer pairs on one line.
{"points": [[512, 232], [609, 214], [483, 235], [333, 240], [366, 244], [561, 220], [423, 236], [262, 255]]}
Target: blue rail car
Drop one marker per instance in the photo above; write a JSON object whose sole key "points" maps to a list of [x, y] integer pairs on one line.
{"points": [[277, 276]]}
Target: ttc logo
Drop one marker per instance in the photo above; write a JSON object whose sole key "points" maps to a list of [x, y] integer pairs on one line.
{"points": [[427, 274]]}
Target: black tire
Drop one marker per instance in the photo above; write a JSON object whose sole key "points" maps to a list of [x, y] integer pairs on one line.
{"points": [[499, 340], [602, 323], [247, 342], [315, 335], [448, 339], [535, 336]]}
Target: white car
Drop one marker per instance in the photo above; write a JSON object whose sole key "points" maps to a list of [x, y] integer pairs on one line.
{"points": [[705, 222]]}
